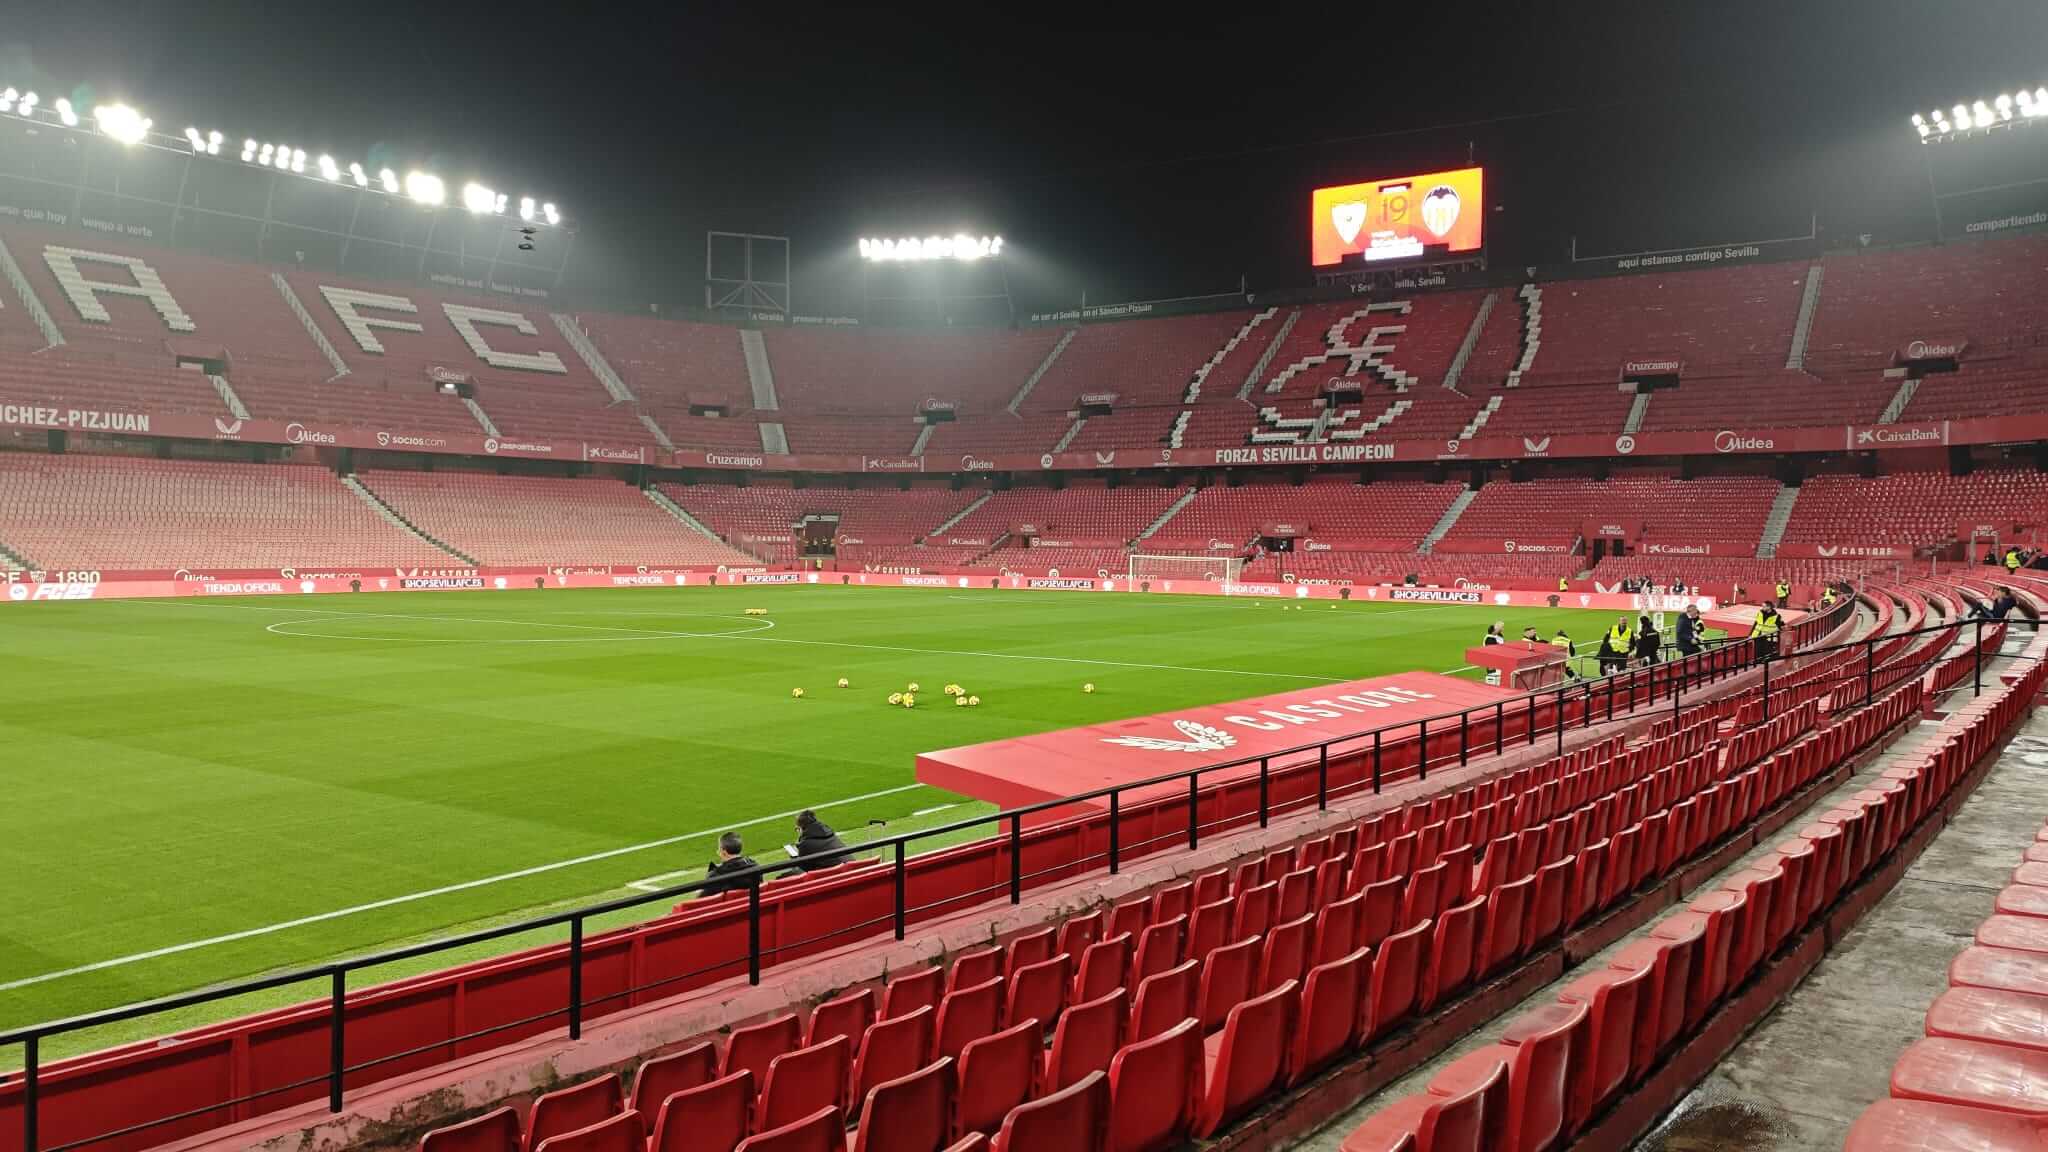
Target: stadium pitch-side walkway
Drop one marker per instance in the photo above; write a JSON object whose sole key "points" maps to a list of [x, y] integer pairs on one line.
{"points": [[1800, 1078]]}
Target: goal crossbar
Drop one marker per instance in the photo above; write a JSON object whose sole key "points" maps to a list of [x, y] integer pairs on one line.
{"points": [[1182, 566]]}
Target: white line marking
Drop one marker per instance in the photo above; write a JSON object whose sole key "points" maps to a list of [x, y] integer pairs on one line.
{"points": [[394, 901], [932, 811], [641, 633]]}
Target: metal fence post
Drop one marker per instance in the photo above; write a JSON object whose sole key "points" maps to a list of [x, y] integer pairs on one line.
{"points": [[1376, 761], [1016, 859], [1422, 751], [902, 908], [1112, 831], [1464, 739], [1263, 785], [1500, 727], [1869, 672], [1194, 824], [1323, 778], [1559, 718], [1977, 673], [1767, 689], [754, 932], [575, 977], [336, 1032], [31, 1086]]}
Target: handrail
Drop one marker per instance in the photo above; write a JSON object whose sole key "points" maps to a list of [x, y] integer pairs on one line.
{"points": [[1712, 663]]}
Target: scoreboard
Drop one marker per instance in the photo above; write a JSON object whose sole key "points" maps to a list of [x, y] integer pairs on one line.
{"points": [[1398, 219]]}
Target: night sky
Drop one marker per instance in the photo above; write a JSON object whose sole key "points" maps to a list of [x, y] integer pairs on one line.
{"points": [[1132, 150]]}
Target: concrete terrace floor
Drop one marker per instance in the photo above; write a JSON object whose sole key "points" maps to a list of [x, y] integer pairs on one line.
{"points": [[1801, 1077]]}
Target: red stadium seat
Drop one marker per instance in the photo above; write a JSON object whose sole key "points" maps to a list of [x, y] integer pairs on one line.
{"points": [[664, 1076], [913, 990], [2017, 933], [893, 1049], [847, 1016], [1426, 1122], [1451, 953], [494, 1131], [1039, 991], [1297, 893], [968, 1015], [1500, 934], [1209, 928], [567, 1109], [1980, 967], [1252, 910], [1285, 956], [1381, 915], [1993, 1017], [972, 1142], [911, 1113], [1424, 896], [1249, 1058], [1086, 1039], [1228, 979], [1989, 1076], [1923, 1126], [1078, 932], [1668, 966], [753, 1047], [1164, 1000], [1337, 928], [1396, 984], [1030, 948], [975, 967], [1153, 1090], [821, 1131], [1160, 947], [1605, 1054], [996, 1074], [801, 1082], [1130, 918], [1106, 965], [709, 1116], [1074, 1119], [1543, 1040], [1331, 1013], [621, 1133]]}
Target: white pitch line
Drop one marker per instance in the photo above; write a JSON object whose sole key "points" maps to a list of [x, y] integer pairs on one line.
{"points": [[932, 811], [394, 901], [643, 634]]}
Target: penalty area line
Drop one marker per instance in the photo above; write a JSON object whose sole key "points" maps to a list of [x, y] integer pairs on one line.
{"points": [[429, 894]]}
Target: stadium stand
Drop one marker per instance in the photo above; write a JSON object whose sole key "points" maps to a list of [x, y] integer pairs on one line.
{"points": [[529, 520], [673, 365], [845, 390], [1727, 511], [1912, 509], [92, 513], [1148, 364], [874, 523]]}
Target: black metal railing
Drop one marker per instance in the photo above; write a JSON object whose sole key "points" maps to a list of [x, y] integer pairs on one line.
{"points": [[1586, 702]]}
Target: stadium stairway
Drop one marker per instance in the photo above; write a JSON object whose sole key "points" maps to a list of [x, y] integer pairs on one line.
{"points": [[389, 1113], [390, 515]]}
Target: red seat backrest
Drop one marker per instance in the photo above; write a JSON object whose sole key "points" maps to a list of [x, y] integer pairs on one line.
{"points": [[1074, 1119], [1605, 1050], [913, 1112], [1330, 1012], [579, 1106], [1165, 999], [1169, 902], [1424, 894], [1337, 929], [1105, 965], [713, 1116], [494, 1131], [621, 1133], [1396, 983], [1285, 956], [910, 991], [754, 1046], [847, 1016], [1211, 887], [1500, 936], [1078, 932], [978, 966], [1228, 980], [1209, 927], [1152, 1090], [821, 1131], [893, 1049], [1031, 948], [1451, 950], [1160, 947], [968, 1015], [1253, 911], [801, 1082], [1381, 915], [996, 1074], [1297, 893], [1087, 1037], [1252, 1057], [664, 1076], [1040, 990], [1543, 1039]]}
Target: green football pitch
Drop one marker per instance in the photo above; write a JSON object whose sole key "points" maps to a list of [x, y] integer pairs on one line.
{"points": [[202, 791]]}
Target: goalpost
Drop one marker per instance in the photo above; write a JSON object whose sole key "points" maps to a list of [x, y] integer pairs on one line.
{"points": [[1155, 566]]}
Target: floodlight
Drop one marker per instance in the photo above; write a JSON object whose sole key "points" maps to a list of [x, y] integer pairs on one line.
{"points": [[477, 198], [298, 159], [198, 142], [526, 207], [425, 188], [361, 177], [329, 170], [1919, 121], [213, 142], [1962, 115], [1921, 129], [28, 103], [7, 98], [389, 179], [121, 123], [284, 157], [549, 214], [66, 113]]}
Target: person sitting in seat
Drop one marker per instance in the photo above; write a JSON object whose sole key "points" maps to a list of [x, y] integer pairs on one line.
{"points": [[732, 859], [815, 837]]}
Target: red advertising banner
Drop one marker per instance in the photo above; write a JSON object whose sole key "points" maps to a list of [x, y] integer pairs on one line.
{"points": [[1846, 551], [1657, 366], [1612, 528], [1282, 529], [1497, 547], [1925, 434], [1941, 348]]}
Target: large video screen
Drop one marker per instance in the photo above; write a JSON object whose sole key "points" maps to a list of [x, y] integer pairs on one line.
{"points": [[1402, 218]]}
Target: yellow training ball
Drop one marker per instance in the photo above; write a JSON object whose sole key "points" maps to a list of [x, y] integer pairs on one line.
{"points": [[912, 687], [843, 683], [909, 701], [974, 701], [959, 701], [1087, 687], [895, 697], [797, 692]]}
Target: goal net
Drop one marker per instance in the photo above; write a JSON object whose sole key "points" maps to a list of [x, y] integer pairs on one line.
{"points": [[1166, 567]]}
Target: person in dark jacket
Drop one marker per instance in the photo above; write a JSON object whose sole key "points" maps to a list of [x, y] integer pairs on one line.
{"points": [[1689, 631], [815, 837], [1648, 641], [732, 858]]}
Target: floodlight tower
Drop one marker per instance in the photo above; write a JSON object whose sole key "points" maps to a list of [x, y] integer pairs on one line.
{"points": [[1986, 162], [936, 280]]}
